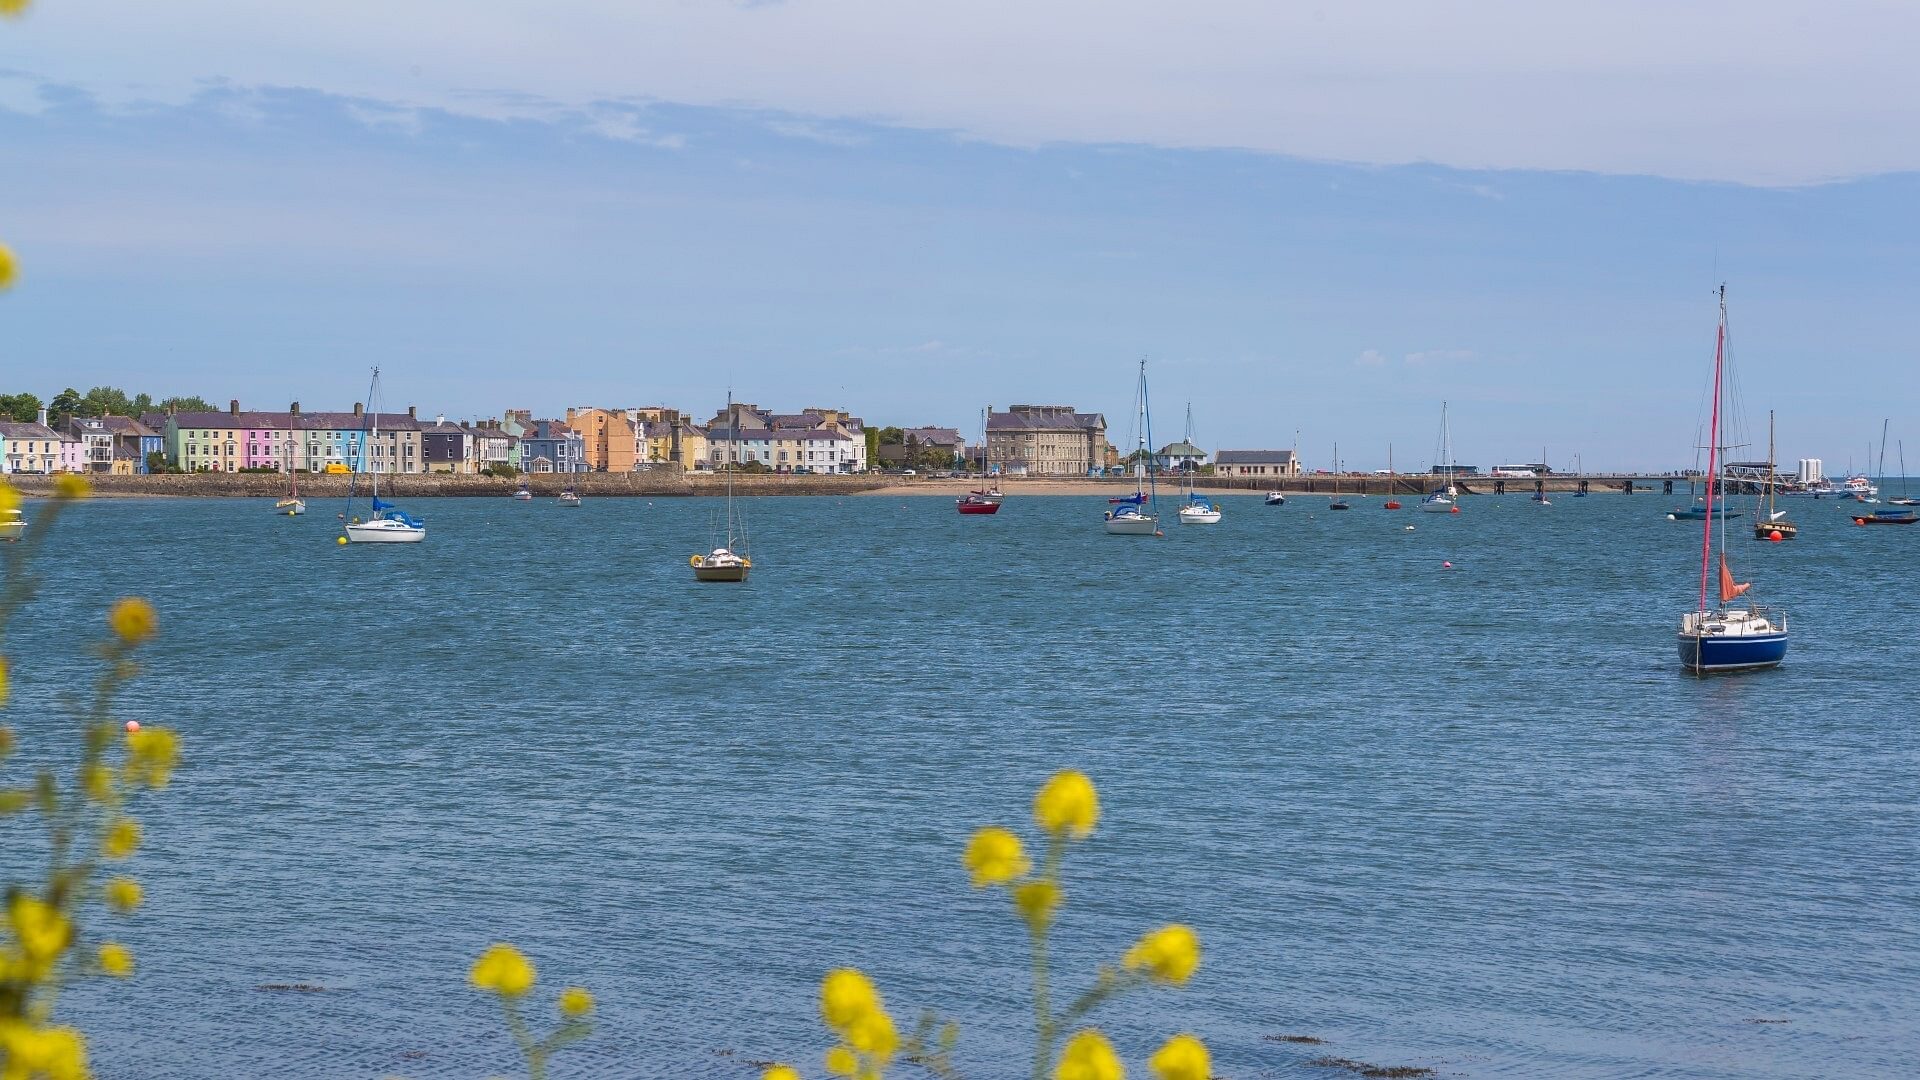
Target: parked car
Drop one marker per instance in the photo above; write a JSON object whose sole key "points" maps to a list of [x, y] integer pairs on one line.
{"points": [[908, 472]]}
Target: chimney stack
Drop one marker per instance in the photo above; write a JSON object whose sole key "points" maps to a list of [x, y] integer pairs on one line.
{"points": [[359, 409], [233, 406], [441, 419], [43, 418], [413, 412], [294, 410]]}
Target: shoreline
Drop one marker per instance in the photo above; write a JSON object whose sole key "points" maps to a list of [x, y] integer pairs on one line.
{"points": [[671, 483]]}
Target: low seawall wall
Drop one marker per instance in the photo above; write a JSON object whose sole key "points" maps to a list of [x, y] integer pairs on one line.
{"points": [[656, 483]]}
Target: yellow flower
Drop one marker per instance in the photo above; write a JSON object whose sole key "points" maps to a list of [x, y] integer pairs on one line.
{"points": [[123, 895], [846, 996], [132, 618], [122, 839], [995, 857], [3, 680], [1067, 805], [1037, 901], [52, 1053], [9, 498], [575, 1002], [39, 929], [99, 783], [115, 960], [1166, 955], [841, 1062], [873, 1035], [780, 1072], [9, 269], [1089, 1056], [6, 733], [71, 486], [152, 754], [1182, 1058], [503, 970]]}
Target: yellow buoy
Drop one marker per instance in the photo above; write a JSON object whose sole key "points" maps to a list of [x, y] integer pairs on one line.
{"points": [[339, 539], [693, 560]]}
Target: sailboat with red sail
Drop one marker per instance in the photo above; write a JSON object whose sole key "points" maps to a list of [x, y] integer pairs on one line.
{"points": [[1727, 637]]}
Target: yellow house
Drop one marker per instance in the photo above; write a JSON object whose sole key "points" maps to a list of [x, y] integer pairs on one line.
{"points": [[669, 438]]}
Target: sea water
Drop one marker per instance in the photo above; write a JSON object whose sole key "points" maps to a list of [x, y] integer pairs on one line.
{"points": [[1474, 818]]}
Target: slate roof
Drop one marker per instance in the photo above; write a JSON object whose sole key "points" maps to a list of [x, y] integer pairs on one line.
{"points": [[1253, 457], [16, 429], [1182, 449], [1028, 419]]}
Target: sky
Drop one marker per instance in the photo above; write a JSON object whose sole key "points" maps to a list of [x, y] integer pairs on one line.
{"points": [[1315, 221]]}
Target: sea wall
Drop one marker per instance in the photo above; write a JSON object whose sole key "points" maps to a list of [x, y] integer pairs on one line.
{"points": [[654, 483]]}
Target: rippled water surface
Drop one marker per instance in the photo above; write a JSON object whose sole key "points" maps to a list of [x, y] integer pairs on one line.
{"points": [[1473, 819]]}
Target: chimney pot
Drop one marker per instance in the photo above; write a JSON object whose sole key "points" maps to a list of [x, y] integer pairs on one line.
{"points": [[233, 406], [413, 412], [294, 410], [359, 409]]}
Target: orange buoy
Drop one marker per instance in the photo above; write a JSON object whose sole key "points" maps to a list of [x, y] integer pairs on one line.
{"points": [[1455, 510], [1775, 536], [133, 726], [1446, 565]]}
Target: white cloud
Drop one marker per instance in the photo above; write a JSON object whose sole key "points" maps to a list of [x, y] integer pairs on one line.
{"points": [[1764, 91], [1370, 358]]}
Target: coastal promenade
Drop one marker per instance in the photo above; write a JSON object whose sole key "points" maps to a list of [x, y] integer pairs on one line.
{"points": [[670, 482]]}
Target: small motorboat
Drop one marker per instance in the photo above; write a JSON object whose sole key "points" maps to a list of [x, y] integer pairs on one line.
{"points": [[1887, 517], [523, 495], [1275, 498], [977, 502], [12, 525], [569, 497], [1541, 498], [291, 507], [720, 564]]}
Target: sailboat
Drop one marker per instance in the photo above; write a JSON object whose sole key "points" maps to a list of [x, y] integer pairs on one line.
{"points": [[1774, 522], [1337, 503], [293, 505], [1903, 499], [1726, 638], [1440, 500], [523, 493], [387, 523], [1197, 510], [724, 563], [1138, 514], [569, 497], [1393, 479], [986, 498], [1887, 517]]}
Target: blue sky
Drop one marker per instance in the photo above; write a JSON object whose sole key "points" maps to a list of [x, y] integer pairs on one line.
{"points": [[264, 217]]}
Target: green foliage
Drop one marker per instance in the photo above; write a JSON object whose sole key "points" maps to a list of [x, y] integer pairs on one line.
{"points": [[184, 404], [502, 470], [23, 407], [157, 463]]}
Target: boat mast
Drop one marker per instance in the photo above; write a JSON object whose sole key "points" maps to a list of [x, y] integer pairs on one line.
{"points": [[1769, 464], [1880, 470], [732, 449], [1713, 454], [1146, 436]]}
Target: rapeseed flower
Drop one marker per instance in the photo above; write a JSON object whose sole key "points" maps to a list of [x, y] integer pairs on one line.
{"points": [[1037, 901], [71, 486], [152, 754], [1067, 805], [52, 1053], [873, 1035], [123, 838], [131, 618], [780, 1072], [1167, 955], [123, 895], [575, 1002], [115, 960], [1089, 1056], [1183, 1057], [3, 680], [994, 857], [841, 1062], [9, 269], [98, 780], [40, 930], [846, 996], [503, 970]]}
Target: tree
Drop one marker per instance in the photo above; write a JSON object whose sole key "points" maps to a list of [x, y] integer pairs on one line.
{"points": [[157, 463], [65, 403], [106, 400], [184, 404], [23, 407]]}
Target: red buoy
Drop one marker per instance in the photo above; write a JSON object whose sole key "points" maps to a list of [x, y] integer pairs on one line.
{"points": [[1775, 536], [1455, 510]]}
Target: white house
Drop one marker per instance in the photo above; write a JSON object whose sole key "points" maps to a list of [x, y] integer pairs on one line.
{"points": [[1256, 463]]}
